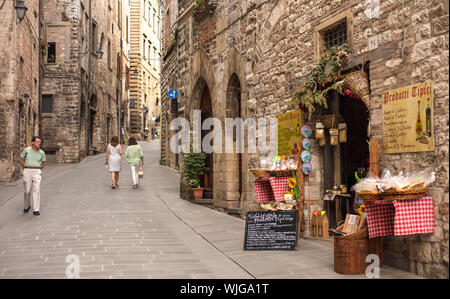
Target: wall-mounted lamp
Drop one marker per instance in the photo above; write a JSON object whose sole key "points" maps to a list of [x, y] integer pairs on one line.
{"points": [[21, 9], [99, 52]]}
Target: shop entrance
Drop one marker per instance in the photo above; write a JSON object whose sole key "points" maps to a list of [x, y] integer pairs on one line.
{"points": [[343, 160], [206, 112]]}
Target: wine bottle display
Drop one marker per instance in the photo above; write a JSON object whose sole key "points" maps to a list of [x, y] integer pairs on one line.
{"points": [[428, 118], [419, 127]]}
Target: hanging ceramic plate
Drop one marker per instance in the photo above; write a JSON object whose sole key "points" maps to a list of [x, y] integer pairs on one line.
{"points": [[305, 156], [306, 131], [306, 168], [306, 143]]}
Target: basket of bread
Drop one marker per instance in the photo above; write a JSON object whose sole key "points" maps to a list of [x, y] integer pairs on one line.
{"points": [[367, 189], [403, 186]]}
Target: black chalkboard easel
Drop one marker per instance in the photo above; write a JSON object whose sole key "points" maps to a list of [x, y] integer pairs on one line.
{"points": [[271, 230]]}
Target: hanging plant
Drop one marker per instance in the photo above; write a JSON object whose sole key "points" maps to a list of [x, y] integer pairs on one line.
{"points": [[325, 72], [203, 6], [43, 44]]}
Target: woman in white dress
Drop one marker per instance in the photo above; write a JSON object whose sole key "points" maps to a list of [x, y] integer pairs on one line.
{"points": [[114, 160]]}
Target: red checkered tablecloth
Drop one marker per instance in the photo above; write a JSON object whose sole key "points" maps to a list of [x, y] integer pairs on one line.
{"points": [[271, 188], [403, 217]]}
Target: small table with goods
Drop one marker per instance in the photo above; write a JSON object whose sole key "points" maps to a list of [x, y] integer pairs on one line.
{"points": [[277, 192]]}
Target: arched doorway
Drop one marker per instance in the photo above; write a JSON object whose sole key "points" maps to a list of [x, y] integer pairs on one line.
{"points": [[206, 112], [83, 129], [233, 177], [92, 121]]}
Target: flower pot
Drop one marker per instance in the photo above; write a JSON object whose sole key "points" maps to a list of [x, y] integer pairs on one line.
{"points": [[197, 193]]}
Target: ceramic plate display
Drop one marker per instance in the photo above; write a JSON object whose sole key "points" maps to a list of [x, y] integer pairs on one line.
{"points": [[306, 143], [305, 156], [306, 131], [307, 168]]}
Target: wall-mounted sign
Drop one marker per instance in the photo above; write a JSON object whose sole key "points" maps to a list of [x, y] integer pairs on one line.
{"points": [[289, 133], [408, 119], [173, 93]]}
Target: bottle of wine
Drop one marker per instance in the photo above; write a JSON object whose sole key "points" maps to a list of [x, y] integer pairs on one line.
{"points": [[419, 128], [428, 120]]}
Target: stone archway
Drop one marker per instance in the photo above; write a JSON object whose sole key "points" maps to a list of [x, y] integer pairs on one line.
{"points": [[236, 192], [201, 95], [233, 161]]}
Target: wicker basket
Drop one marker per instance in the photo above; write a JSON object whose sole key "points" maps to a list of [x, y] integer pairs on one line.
{"points": [[331, 120], [260, 172], [369, 196], [358, 83], [281, 173], [415, 191], [363, 233]]}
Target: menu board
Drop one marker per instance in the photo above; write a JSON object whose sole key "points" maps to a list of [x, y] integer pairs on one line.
{"points": [[289, 134], [272, 230], [408, 119]]}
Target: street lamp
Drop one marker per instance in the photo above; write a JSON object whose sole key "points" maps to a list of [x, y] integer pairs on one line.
{"points": [[99, 52], [21, 9]]}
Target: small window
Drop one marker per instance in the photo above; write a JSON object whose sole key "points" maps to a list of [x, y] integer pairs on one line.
{"points": [[127, 29], [109, 54], [47, 104], [94, 43], [143, 48], [336, 36], [51, 53], [132, 104]]}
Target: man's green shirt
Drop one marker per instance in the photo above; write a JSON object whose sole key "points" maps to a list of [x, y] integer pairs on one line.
{"points": [[33, 158]]}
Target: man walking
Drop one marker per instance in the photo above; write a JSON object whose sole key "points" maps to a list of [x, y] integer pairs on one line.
{"points": [[32, 161]]}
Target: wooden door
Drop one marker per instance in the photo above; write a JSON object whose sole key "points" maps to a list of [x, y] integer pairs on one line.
{"points": [[206, 112]]}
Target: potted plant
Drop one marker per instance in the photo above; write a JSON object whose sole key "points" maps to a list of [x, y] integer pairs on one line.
{"points": [[204, 7], [194, 167], [43, 46], [196, 190]]}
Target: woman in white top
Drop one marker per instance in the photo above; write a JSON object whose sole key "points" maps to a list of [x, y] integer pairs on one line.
{"points": [[114, 160]]}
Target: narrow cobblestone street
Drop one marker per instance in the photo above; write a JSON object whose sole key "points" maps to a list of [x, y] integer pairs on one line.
{"points": [[146, 233]]}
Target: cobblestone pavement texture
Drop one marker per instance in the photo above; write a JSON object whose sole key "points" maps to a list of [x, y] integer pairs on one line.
{"points": [[146, 233]]}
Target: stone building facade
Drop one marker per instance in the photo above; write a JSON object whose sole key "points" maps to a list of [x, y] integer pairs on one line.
{"points": [[81, 93], [145, 54], [255, 54], [19, 84]]}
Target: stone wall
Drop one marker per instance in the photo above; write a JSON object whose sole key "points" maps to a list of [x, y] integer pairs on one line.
{"points": [[19, 85], [271, 46], [78, 77]]}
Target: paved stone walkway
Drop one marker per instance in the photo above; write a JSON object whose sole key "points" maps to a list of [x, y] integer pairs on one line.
{"points": [[145, 233]]}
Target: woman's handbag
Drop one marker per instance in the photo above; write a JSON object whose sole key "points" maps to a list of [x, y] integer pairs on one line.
{"points": [[141, 171]]}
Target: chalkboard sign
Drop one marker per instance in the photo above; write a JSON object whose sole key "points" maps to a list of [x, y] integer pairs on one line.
{"points": [[273, 230]]}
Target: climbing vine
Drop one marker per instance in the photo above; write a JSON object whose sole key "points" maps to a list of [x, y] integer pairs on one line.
{"points": [[323, 77]]}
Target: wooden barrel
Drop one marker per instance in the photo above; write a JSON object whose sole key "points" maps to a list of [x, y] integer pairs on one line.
{"points": [[350, 256], [376, 247]]}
